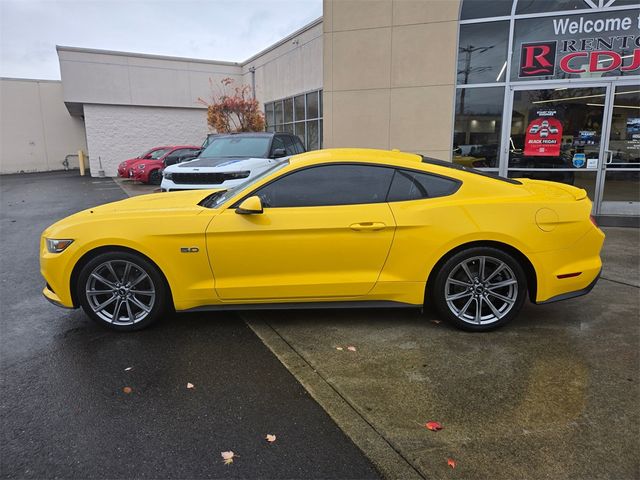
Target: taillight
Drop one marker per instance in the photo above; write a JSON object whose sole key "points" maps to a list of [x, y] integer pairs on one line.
{"points": [[593, 220]]}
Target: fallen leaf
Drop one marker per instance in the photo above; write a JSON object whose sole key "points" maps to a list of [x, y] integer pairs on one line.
{"points": [[128, 369], [451, 462], [270, 438], [433, 426], [436, 321], [351, 348], [339, 348], [190, 385], [227, 457], [127, 390]]}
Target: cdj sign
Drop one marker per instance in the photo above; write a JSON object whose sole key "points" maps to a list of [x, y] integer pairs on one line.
{"points": [[584, 45]]}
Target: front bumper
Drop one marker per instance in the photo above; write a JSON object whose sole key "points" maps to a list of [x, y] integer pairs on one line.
{"points": [[52, 298]]}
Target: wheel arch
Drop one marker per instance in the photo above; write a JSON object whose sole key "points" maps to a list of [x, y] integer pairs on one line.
{"points": [[521, 258], [88, 256]]}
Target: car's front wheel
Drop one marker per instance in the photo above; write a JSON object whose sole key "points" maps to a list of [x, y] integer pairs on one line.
{"points": [[122, 291], [155, 177], [479, 289]]}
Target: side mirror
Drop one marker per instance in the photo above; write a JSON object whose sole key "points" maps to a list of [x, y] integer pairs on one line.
{"points": [[249, 206], [148, 156], [279, 152]]}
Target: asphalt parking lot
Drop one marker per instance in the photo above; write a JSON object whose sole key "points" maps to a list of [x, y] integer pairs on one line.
{"points": [[556, 394], [63, 410]]}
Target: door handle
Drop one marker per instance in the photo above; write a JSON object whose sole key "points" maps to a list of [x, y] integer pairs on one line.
{"points": [[358, 227]]}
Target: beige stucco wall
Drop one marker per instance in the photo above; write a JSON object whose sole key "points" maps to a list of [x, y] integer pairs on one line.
{"points": [[36, 130], [290, 67], [389, 74], [121, 78]]}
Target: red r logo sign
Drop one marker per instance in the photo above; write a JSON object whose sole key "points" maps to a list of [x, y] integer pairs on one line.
{"points": [[537, 59]]}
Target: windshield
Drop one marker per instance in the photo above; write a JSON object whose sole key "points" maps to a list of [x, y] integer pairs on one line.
{"points": [[158, 153], [218, 198], [257, 147]]}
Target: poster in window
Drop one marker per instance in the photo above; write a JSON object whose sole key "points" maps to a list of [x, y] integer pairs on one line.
{"points": [[543, 137]]}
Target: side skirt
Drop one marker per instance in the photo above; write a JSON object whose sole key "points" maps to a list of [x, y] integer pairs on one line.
{"points": [[303, 306]]}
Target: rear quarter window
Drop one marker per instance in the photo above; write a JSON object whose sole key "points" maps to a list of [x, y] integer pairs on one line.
{"points": [[412, 185]]}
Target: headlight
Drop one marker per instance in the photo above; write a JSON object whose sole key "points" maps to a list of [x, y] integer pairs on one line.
{"points": [[57, 245], [167, 175], [142, 167]]}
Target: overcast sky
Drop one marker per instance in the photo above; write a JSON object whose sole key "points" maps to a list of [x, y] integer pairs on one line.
{"points": [[230, 30]]}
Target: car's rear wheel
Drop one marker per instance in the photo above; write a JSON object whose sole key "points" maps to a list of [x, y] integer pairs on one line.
{"points": [[122, 291], [479, 289], [155, 177]]}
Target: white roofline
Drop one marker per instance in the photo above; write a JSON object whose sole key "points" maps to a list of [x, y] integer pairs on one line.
{"points": [[289, 37], [63, 48], [21, 79]]}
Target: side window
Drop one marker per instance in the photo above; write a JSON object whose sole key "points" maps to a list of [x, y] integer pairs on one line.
{"points": [[289, 146], [328, 185], [410, 185], [277, 143], [297, 143]]}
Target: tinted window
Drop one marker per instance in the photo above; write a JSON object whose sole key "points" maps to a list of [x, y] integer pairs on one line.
{"points": [[484, 9], [538, 6], [482, 52], [278, 142], [298, 145], [408, 185], [478, 126], [328, 185], [289, 146]]}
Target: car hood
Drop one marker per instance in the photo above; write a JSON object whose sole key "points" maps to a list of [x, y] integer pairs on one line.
{"points": [[161, 205], [221, 164], [154, 202]]}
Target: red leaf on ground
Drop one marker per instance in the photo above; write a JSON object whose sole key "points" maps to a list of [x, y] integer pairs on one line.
{"points": [[451, 462], [433, 426]]}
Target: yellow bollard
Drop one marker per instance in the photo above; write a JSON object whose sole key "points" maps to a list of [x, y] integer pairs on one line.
{"points": [[81, 162]]}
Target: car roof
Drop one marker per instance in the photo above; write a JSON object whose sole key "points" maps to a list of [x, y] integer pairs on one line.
{"points": [[366, 155], [254, 134], [393, 158]]}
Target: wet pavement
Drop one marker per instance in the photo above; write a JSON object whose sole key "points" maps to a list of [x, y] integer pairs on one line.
{"points": [[555, 394], [63, 410]]}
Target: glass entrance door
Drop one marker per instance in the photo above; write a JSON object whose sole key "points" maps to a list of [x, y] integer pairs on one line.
{"points": [[557, 134], [619, 189]]}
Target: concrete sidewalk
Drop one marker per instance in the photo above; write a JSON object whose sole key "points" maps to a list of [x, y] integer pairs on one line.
{"points": [[553, 395]]}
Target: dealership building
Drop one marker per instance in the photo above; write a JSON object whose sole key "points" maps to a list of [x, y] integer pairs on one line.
{"points": [[547, 89]]}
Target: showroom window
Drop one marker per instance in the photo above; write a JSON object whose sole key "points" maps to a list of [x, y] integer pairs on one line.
{"points": [[300, 115]]}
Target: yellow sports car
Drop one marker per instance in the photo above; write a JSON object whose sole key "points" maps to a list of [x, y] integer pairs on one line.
{"points": [[330, 228]]}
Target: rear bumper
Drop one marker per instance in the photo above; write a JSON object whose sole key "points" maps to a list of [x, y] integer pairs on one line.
{"points": [[569, 272], [574, 294]]}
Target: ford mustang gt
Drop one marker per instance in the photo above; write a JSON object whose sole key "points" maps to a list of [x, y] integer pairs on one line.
{"points": [[330, 228]]}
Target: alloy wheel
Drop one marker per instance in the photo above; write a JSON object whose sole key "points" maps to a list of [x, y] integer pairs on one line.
{"points": [[120, 292], [481, 290]]}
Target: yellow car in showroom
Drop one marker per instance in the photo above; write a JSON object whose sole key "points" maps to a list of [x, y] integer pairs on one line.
{"points": [[330, 228]]}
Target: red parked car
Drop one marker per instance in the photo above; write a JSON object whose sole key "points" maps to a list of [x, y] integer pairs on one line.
{"points": [[155, 152], [150, 170]]}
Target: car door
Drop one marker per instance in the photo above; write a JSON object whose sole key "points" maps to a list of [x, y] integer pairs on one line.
{"points": [[325, 233]]}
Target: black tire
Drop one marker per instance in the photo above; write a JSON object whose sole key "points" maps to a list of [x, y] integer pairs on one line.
{"points": [[155, 178], [128, 280], [457, 289]]}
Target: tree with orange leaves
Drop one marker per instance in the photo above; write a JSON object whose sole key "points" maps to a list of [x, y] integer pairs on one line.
{"points": [[234, 109]]}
